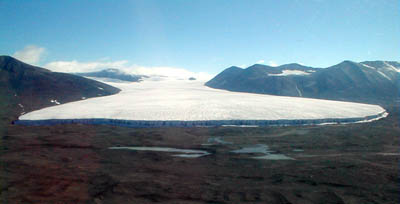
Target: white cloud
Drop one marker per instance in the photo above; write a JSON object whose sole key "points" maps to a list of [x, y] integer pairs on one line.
{"points": [[31, 54], [272, 64], [260, 62], [166, 71], [75, 66]]}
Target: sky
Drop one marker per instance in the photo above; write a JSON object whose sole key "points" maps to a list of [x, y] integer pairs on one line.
{"points": [[197, 37]]}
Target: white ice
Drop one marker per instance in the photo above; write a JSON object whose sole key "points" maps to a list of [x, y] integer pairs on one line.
{"points": [[185, 100]]}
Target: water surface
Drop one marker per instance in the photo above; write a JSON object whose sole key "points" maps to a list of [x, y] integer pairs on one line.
{"points": [[187, 153]]}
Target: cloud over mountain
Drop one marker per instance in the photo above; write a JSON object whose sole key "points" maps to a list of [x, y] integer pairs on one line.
{"points": [[76, 66], [31, 54]]}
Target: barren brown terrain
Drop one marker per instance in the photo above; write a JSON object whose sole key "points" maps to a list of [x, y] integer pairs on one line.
{"points": [[353, 163]]}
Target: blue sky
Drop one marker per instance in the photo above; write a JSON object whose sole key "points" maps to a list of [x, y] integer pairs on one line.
{"points": [[199, 36]]}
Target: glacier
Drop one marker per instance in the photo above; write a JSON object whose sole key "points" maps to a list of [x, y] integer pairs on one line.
{"points": [[171, 102]]}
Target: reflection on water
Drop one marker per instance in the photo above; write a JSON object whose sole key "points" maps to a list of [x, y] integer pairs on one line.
{"points": [[218, 140], [262, 149], [274, 157], [250, 126], [258, 148], [188, 153], [191, 153]]}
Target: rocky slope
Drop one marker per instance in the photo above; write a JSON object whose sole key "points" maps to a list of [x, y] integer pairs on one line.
{"points": [[25, 87]]}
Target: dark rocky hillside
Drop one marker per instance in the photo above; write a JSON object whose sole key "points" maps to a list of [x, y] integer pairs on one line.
{"points": [[370, 81], [26, 88]]}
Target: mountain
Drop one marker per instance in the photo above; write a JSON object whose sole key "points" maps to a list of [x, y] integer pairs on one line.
{"points": [[25, 88], [113, 74], [264, 79], [370, 81]]}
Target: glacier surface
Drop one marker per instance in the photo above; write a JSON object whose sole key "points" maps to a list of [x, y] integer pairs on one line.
{"points": [[185, 100]]}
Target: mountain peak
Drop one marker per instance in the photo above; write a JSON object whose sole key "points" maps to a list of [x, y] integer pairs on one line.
{"points": [[12, 64], [258, 66], [348, 62], [234, 67], [295, 66], [112, 70], [5, 59]]}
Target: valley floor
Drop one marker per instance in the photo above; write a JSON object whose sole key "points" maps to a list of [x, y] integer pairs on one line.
{"points": [[355, 163]]}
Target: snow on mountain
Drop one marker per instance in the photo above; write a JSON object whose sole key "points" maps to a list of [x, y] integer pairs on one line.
{"points": [[290, 72], [391, 67], [186, 100], [365, 65]]}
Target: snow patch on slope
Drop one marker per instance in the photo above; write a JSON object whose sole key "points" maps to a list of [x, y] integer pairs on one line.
{"points": [[291, 72], [391, 67], [365, 65], [384, 75], [55, 102], [381, 73], [298, 91]]}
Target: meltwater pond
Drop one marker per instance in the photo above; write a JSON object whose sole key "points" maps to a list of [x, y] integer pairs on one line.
{"points": [[188, 153], [190, 103], [274, 157], [262, 149], [259, 148]]}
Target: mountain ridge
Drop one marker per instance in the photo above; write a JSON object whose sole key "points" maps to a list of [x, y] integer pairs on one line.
{"points": [[368, 81]]}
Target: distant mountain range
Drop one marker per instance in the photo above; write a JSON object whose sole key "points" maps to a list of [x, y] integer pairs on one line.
{"points": [[369, 81], [113, 74], [29, 88]]}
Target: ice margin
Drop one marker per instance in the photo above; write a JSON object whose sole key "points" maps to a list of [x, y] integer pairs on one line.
{"points": [[200, 123]]}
